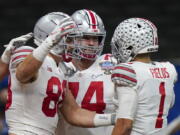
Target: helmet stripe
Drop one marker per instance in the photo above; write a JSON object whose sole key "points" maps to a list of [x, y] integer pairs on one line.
{"points": [[92, 18]]}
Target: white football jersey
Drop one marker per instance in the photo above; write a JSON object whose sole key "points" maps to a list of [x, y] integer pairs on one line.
{"points": [[32, 107], [93, 90], [154, 83]]}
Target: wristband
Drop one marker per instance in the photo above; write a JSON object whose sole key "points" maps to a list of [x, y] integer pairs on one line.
{"points": [[104, 119], [42, 51]]}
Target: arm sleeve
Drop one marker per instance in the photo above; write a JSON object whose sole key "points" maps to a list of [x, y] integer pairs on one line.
{"points": [[127, 99], [124, 75], [19, 55]]}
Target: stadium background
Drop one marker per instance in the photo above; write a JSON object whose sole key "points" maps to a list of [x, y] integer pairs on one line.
{"points": [[18, 17]]}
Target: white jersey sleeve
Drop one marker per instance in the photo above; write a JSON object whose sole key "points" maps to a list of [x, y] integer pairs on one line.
{"points": [[19, 55], [124, 75], [127, 101]]}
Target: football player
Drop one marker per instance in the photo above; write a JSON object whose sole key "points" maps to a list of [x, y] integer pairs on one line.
{"points": [[144, 87], [90, 81], [36, 86]]}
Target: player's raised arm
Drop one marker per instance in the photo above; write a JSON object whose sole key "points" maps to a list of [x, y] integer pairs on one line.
{"points": [[29, 67]]}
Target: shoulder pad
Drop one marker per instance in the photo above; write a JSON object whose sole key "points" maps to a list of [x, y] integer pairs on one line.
{"points": [[20, 54], [124, 75]]}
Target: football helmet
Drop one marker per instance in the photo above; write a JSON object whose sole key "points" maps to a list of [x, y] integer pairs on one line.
{"points": [[134, 36], [89, 24], [45, 25]]}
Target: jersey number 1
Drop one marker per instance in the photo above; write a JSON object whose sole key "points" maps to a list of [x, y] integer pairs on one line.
{"points": [[159, 120]]}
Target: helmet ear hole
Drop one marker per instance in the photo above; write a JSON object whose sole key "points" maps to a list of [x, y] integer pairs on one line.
{"points": [[132, 52]]}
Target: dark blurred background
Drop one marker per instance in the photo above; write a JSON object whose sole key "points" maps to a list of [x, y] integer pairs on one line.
{"points": [[18, 17]]}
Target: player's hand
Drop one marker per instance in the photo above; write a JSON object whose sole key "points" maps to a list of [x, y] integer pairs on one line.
{"points": [[13, 44], [66, 26]]}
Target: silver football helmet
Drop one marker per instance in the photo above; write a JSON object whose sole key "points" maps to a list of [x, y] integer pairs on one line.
{"points": [[45, 25], [134, 36], [89, 24]]}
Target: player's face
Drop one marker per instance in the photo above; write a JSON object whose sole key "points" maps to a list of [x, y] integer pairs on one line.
{"points": [[84, 41], [88, 41], [82, 46]]}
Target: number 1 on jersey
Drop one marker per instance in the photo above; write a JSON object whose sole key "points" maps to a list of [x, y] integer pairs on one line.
{"points": [[159, 120]]}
